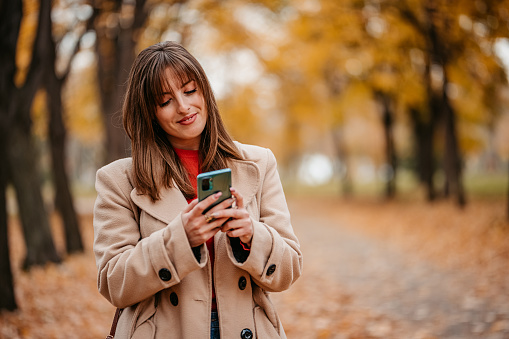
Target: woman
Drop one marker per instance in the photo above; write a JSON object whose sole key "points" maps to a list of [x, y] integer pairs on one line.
{"points": [[175, 272]]}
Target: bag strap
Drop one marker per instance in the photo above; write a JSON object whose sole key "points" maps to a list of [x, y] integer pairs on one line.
{"points": [[114, 324]]}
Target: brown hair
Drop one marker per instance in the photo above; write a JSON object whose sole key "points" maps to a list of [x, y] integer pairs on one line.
{"points": [[155, 163]]}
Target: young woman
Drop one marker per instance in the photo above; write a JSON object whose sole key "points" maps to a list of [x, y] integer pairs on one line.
{"points": [[175, 271]]}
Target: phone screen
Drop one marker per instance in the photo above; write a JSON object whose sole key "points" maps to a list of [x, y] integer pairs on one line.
{"points": [[213, 182]]}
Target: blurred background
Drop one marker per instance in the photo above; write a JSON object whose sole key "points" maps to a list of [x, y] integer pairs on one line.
{"points": [[378, 102]]}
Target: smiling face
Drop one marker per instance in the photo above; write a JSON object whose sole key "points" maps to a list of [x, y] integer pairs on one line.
{"points": [[182, 112]]}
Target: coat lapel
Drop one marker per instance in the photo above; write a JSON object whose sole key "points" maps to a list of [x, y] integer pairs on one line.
{"points": [[172, 202], [245, 178]]}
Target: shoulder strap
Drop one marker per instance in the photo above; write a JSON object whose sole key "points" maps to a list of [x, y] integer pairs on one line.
{"points": [[114, 324]]}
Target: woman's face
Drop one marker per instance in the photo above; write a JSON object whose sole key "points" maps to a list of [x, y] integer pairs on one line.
{"points": [[182, 115]]}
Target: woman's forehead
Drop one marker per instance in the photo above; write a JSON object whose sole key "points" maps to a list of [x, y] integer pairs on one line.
{"points": [[175, 79]]}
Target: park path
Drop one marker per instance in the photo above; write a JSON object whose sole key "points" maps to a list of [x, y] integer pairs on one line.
{"points": [[379, 290]]}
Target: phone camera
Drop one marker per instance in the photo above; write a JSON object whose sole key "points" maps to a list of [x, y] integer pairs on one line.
{"points": [[206, 184]]}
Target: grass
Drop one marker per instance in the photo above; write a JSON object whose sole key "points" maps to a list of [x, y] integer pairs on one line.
{"points": [[477, 185]]}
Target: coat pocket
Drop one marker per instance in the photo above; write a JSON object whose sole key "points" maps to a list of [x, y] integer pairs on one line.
{"points": [[264, 327], [143, 325], [147, 330]]}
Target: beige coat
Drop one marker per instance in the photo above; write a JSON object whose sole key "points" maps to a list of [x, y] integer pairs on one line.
{"points": [[146, 265]]}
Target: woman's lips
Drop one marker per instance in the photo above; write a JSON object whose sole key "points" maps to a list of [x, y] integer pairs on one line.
{"points": [[189, 119]]}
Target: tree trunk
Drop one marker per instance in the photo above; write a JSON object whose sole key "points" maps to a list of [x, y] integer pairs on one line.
{"points": [[116, 52], [57, 135], [390, 153], [27, 183], [7, 298], [424, 134], [63, 196], [10, 20], [346, 179], [452, 161], [23, 171], [452, 158]]}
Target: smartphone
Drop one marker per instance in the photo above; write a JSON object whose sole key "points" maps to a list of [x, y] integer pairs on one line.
{"points": [[213, 182]]}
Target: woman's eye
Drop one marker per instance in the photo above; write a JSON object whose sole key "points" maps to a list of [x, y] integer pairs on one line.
{"points": [[166, 103], [190, 92]]}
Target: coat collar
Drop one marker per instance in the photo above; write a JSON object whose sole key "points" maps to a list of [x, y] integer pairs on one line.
{"points": [[245, 179]]}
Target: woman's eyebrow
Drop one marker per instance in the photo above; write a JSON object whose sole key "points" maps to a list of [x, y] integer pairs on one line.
{"points": [[184, 85]]}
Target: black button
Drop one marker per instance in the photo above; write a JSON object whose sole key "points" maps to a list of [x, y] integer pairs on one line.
{"points": [[246, 334], [271, 269], [174, 299], [242, 283], [165, 274]]}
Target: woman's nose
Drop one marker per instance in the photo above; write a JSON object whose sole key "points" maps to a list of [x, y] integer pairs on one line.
{"points": [[183, 105]]}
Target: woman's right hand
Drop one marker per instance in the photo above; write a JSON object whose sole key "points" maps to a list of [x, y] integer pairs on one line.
{"points": [[196, 226]]}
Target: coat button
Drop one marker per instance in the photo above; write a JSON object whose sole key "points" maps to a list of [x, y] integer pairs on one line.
{"points": [[246, 334], [242, 283], [271, 269], [165, 274], [174, 299]]}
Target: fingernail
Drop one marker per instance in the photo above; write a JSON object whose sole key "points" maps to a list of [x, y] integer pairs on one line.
{"points": [[232, 189], [218, 194]]}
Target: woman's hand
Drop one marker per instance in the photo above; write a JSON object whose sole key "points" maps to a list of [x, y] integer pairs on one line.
{"points": [[239, 222], [201, 227]]}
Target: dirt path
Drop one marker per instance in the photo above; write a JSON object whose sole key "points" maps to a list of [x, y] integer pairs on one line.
{"points": [[367, 289]]}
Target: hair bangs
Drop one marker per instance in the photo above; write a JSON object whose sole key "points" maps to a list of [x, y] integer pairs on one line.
{"points": [[173, 71]]}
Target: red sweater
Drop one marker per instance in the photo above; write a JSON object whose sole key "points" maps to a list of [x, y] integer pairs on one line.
{"points": [[190, 160]]}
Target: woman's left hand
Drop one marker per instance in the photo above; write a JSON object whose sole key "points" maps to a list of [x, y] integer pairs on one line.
{"points": [[239, 224]]}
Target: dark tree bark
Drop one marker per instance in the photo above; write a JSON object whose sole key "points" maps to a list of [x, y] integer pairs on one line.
{"points": [[27, 183], [63, 196], [7, 298], [57, 136], [10, 20], [424, 136], [441, 103], [439, 52], [21, 157], [341, 154], [452, 160], [116, 52], [390, 153]]}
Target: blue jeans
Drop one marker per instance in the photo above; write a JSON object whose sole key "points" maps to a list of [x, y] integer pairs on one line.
{"points": [[214, 326]]}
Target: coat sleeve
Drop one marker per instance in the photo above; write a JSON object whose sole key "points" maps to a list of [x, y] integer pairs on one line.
{"points": [[275, 259], [131, 268]]}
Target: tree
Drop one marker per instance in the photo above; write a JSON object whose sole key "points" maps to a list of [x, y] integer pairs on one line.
{"points": [[7, 298], [17, 151], [57, 135], [117, 24], [21, 156], [386, 103], [455, 39], [10, 19]]}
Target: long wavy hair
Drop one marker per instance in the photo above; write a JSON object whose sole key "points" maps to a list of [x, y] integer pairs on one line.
{"points": [[155, 162]]}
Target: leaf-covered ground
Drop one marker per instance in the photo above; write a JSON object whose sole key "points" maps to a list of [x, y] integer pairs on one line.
{"points": [[371, 270], [399, 270]]}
